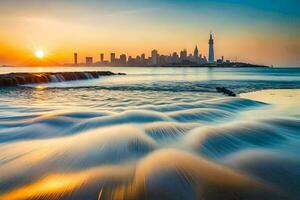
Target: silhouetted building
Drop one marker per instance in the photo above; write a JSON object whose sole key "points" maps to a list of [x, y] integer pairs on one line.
{"points": [[162, 60], [183, 55], [154, 57], [196, 55], [211, 56], [131, 61], [101, 57], [123, 59], [89, 60], [175, 57], [196, 52], [204, 60], [191, 58], [138, 60], [112, 58], [221, 60], [183, 59], [75, 59]]}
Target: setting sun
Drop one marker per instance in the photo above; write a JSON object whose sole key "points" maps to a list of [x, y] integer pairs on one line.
{"points": [[39, 54]]}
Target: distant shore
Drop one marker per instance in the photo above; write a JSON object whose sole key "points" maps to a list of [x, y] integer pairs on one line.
{"points": [[230, 65], [216, 65]]}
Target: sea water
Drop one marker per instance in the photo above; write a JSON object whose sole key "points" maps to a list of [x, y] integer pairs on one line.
{"points": [[156, 133]]}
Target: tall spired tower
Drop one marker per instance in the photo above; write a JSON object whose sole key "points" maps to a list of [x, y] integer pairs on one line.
{"points": [[211, 56], [196, 55], [196, 52]]}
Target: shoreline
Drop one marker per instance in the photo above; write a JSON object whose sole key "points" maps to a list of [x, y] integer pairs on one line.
{"points": [[216, 65]]}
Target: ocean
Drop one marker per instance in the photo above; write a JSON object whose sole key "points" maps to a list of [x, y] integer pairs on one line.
{"points": [[155, 133]]}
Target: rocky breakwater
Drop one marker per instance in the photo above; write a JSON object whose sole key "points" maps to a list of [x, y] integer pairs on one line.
{"points": [[15, 79], [226, 91]]}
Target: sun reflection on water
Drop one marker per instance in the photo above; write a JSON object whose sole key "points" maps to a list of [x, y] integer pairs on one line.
{"points": [[52, 185]]}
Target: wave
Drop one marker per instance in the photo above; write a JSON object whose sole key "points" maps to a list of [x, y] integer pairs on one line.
{"points": [[200, 115], [232, 105], [27, 160], [43, 126], [220, 141], [167, 132], [68, 123], [179, 175], [280, 170]]}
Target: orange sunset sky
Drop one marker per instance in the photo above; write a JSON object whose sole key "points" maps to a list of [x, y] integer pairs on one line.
{"points": [[259, 33]]}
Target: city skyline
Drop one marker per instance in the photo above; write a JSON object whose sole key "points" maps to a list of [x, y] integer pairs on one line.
{"points": [[262, 32], [154, 59]]}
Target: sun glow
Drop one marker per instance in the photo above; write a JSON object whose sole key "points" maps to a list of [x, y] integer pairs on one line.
{"points": [[39, 54]]}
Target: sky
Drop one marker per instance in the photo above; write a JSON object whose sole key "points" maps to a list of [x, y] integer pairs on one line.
{"points": [[256, 31]]}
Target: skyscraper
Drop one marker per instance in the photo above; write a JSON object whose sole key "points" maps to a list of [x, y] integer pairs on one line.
{"points": [[75, 59], [183, 55], [154, 57], [211, 56], [89, 60], [123, 59], [101, 57], [112, 58], [196, 52], [196, 55], [175, 58]]}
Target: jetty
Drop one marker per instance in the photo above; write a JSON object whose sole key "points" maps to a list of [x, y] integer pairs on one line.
{"points": [[15, 79]]}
